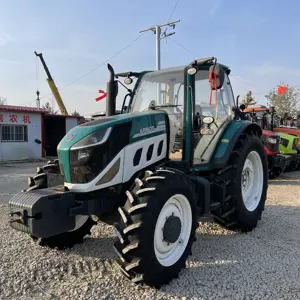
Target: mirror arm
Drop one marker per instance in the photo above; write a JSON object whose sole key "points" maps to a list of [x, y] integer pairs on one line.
{"points": [[124, 101], [129, 90]]}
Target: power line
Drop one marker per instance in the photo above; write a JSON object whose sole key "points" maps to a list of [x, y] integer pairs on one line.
{"points": [[174, 8], [243, 81], [171, 15], [184, 48], [97, 67]]}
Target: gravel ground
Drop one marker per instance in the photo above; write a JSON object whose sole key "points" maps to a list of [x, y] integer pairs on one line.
{"points": [[263, 264]]}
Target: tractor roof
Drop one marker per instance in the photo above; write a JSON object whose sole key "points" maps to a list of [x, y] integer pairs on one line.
{"points": [[177, 73], [204, 63]]}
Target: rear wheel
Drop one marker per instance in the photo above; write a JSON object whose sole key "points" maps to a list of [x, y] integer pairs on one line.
{"points": [[246, 181], [83, 223], [157, 227]]}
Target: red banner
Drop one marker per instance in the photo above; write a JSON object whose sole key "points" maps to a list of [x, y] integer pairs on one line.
{"points": [[102, 96]]}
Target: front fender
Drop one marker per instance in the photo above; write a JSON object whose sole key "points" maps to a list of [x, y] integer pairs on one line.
{"points": [[227, 142]]}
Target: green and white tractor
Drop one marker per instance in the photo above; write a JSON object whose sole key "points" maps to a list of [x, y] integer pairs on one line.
{"points": [[180, 151]]}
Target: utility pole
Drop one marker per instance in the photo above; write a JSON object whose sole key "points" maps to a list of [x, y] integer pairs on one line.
{"points": [[157, 30]]}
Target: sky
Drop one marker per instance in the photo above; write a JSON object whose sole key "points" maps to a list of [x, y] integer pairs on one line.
{"points": [[258, 40]]}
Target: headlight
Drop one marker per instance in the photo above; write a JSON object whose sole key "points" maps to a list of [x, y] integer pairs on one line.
{"points": [[272, 140], [95, 138]]}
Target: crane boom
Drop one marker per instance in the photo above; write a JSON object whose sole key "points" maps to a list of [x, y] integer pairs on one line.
{"points": [[52, 85]]}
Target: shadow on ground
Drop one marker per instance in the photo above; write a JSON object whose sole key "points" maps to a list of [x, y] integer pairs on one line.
{"points": [[225, 264], [285, 182]]}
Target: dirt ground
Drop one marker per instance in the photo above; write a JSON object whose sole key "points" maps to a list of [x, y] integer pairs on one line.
{"points": [[263, 264]]}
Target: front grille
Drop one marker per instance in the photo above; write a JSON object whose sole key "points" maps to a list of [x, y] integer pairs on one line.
{"points": [[272, 147]]}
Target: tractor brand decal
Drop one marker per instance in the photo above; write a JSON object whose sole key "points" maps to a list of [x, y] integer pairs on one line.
{"points": [[70, 137], [161, 126], [225, 141]]}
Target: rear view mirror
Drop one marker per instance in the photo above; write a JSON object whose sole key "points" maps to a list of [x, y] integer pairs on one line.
{"points": [[216, 76]]}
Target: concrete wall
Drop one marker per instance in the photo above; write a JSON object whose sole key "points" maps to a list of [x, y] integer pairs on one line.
{"points": [[70, 123], [22, 150]]}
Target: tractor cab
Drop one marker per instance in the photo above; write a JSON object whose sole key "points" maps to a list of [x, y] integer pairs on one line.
{"points": [[198, 100]]}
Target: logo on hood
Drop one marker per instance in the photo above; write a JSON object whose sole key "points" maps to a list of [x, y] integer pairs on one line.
{"points": [[70, 137]]}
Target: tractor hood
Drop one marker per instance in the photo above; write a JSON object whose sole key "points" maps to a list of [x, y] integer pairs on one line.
{"points": [[94, 144], [140, 120]]}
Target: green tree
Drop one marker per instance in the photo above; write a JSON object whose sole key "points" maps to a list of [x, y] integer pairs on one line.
{"points": [[49, 108], [285, 103], [248, 99], [75, 113]]}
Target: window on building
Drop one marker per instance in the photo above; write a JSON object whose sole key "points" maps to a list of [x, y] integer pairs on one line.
{"points": [[14, 133]]}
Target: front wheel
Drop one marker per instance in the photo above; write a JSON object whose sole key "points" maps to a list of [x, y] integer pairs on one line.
{"points": [[83, 224], [246, 182], [157, 227]]}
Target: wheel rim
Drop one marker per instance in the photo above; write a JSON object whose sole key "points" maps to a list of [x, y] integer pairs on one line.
{"points": [[79, 222], [168, 253], [252, 181]]}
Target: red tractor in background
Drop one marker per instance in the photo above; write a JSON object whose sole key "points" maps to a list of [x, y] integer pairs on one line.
{"points": [[271, 140]]}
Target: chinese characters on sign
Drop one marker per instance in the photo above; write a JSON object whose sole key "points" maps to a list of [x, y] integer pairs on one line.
{"points": [[12, 118], [26, 120]]}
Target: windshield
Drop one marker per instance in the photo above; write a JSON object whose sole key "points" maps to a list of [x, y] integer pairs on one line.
{"points": [[158, 88]]}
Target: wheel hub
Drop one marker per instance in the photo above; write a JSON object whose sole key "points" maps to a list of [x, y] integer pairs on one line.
{"points": [[172, 229], [252, 181]]}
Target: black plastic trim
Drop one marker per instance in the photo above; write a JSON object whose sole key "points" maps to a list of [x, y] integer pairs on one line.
{"points": [[137, 157], [150, 152]]}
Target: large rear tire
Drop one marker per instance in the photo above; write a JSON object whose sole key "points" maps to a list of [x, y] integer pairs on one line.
{"points": [[246, 181], [83, 225], [157, 227]]}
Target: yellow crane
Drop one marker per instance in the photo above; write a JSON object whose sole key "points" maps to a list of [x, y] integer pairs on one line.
{"points": [[52, 86]]}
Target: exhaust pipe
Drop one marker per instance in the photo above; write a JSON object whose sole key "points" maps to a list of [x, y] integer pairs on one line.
{"points": [[111, 92], [237, 101]]}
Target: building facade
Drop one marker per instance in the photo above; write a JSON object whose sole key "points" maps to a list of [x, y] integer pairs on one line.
{"points": [[28, 133]]}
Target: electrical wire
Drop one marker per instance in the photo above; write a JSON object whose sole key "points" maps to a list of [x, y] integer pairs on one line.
{"points": [[97, 67], [171, 15], [236, 78], [178, 44], [174, 8]]}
